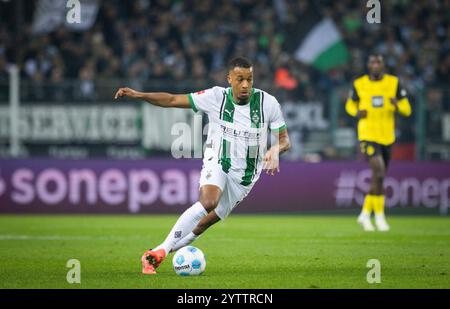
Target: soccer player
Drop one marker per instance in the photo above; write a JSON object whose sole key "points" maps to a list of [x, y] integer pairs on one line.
{"points": [[374, 100], [240, 117]]}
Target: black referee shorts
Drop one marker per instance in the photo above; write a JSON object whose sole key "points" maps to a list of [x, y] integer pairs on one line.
{"points": [[371, 149]]}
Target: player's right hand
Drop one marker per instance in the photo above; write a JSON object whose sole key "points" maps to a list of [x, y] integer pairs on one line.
{"points": [[271, 161], [362, 113], [127, 92]]}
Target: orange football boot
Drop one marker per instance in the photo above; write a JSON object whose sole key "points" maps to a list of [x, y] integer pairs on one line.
{"points": [[151, 260]]}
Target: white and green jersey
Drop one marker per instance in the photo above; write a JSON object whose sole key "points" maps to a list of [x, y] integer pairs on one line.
{"points": [[237, 134]]}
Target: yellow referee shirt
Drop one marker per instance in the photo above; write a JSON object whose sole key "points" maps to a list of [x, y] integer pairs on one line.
{"points": [[375, 96]]}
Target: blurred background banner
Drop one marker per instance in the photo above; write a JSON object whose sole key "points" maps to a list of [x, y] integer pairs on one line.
{"points": [[323, 46], [169, 186], [305, 53], [108, 130], [51, 14]]}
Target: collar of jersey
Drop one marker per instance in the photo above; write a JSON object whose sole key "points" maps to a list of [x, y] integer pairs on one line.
{"points": [[230, 95], [376, 80]]}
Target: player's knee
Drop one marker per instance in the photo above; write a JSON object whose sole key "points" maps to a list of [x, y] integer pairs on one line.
{"points": [[209, 203]]}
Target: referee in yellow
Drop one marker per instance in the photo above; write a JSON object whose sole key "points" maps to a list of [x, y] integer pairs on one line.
{"points": [[374, 100]]}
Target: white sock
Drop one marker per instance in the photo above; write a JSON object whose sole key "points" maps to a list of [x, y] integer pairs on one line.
{"points": [[364, 214], [380, 217], [184, 225], [185, 241]]}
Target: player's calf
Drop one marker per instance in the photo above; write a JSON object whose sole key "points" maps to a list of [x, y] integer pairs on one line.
{"points": [[205, 223]]}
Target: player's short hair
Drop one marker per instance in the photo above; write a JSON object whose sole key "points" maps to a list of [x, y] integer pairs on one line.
{"points": [[239, 62], [375, 54]]}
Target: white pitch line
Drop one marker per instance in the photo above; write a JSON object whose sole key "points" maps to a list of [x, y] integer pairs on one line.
{"points": [[59, 237], [29, 237]]}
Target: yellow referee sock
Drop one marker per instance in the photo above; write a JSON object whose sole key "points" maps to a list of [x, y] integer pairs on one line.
{"points": [[378, 204], [368, 205]]}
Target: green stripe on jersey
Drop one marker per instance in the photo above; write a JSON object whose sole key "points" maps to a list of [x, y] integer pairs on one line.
{"points": [[252, 163], [255, 110], [228, 109], [225, 159]]}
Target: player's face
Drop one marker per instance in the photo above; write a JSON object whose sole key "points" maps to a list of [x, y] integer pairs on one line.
{"points": [[375, 65], [241, 81]]}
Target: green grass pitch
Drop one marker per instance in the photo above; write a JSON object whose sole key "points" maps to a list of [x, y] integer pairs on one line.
{"points": [[245, 251]]}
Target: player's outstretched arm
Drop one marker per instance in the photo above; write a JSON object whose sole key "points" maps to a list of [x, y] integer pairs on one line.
{"points": [[162, 99]]}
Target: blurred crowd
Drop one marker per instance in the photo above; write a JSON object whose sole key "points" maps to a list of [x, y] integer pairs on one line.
{"points": [[191, 41]]}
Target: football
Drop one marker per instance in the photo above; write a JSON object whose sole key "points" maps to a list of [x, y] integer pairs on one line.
{"points": [[189, 261]]}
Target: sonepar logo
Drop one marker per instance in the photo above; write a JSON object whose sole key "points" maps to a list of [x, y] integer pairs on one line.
{"points": [[88, 187], [407, 191]]}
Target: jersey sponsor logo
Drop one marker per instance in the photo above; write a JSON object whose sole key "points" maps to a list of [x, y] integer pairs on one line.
{"points": [[231, 132], [377, 101]]}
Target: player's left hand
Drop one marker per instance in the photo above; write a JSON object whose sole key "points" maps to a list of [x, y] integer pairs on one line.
{"points": [[271, 161], [394, 102]]}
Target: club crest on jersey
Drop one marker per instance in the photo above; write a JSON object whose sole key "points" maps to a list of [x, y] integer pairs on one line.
{"points": [[255, 117]]}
